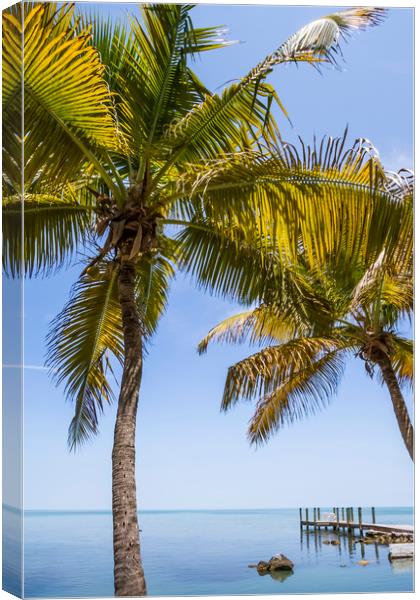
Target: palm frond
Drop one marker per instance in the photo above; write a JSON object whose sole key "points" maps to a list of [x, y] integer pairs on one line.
{"points": [[212, 125], [383, 294], [153, 276], [222, 260], [402, 359], [69, 114], [332, 199], [320, 39], [55, 221], [304, 393], [154, 82], [261, 325], [80, 341], [263, 372]]}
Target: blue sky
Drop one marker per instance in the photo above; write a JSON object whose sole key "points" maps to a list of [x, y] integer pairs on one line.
{"points": [[189, 454]]}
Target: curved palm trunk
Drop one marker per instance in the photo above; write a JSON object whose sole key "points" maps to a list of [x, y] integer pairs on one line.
{"points": [[400, 408], [128, 570]]}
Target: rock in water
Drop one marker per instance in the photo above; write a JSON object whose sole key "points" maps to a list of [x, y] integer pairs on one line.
{"points": [[278, 562], [262, 567]]}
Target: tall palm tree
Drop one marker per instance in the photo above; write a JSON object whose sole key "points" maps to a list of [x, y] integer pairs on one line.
{"points": [[314, 318], [120, 139]]}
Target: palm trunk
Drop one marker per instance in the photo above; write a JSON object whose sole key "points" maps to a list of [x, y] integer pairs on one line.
{"points": [[399, 405], [128, 570]]}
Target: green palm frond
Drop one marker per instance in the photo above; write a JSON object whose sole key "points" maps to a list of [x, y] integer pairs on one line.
{"points": [[110, 37], [211, 125], [154, 275], [68, 109], [306, 390], [155, 84], [223, 260], [80, 343], [55, 222]]}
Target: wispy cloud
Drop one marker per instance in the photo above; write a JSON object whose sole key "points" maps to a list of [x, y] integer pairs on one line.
{"points": [[32, 367]]}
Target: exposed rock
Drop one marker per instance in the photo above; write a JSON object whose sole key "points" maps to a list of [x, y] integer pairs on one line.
{"points": [[279, 562], [388, 537], [370, 533], [262, 567]]}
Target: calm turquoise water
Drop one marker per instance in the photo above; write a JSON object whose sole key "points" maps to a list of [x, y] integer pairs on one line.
{"points": [[205, 552]]}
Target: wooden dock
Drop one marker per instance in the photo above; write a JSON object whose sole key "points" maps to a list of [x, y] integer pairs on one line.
{"points": [[347, 521], [401, 551]]}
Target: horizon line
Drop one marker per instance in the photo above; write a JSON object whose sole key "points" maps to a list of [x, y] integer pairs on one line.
{"points": [[109, 510]]}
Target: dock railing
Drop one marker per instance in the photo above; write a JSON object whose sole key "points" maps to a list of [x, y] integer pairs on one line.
{"points": [[344, 518], [338, 518]]}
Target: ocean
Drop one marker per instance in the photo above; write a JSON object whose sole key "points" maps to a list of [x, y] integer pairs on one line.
{"points": [[205, 552]]}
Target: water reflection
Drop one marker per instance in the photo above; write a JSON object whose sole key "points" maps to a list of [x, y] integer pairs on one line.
{"points": [[280, 575], [402, 565], [348, 546]]}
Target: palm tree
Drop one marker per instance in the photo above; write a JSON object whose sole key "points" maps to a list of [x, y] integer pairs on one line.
{"points": [[313, 318], [121, 139]]}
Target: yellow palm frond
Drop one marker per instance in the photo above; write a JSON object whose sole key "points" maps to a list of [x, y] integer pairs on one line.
{"points": [[403, 359], [332, 199], [262, 325], [263, 372], [69, 113], [304, 392]]}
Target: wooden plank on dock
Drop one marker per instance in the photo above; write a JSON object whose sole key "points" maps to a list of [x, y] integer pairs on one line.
{"points": [[384, 528], [397, 551]]}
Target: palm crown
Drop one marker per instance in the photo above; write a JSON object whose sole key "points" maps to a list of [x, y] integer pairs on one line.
{"points": [[313, 318], [136, 143]]}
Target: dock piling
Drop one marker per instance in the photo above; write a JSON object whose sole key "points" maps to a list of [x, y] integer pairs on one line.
{"points": [[349, 521]]}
